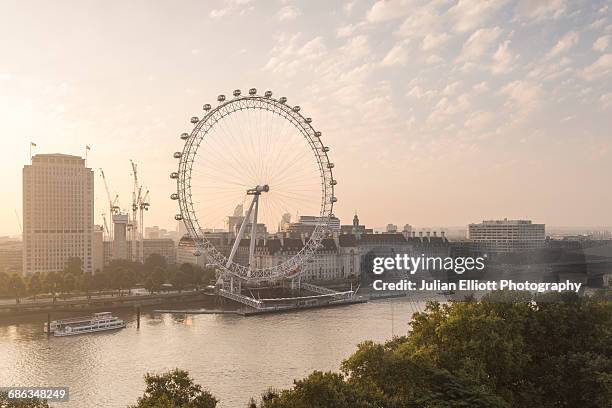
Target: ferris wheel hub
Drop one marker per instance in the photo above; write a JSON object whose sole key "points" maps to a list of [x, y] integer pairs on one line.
{"points": [[258, 190]]}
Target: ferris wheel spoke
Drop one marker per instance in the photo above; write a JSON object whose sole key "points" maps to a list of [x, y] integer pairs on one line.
{"points": [[234, 146]]}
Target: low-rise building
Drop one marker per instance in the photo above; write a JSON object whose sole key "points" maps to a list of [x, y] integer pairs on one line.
{"points": [[11, 258]]}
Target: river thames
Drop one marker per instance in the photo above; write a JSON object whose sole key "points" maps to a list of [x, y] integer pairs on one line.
{"points": [[234, 357]]}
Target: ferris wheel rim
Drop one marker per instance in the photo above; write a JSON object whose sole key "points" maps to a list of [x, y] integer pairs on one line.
{"points": [[188, 157]]}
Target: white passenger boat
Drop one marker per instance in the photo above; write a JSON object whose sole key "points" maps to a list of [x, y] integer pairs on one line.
{"points": [[102, 321], [72, 320]]}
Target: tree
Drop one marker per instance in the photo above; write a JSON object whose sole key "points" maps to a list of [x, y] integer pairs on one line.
{"points": [[155, 280], [179, 280], [74, 266], [189, 272], [174, 389], [155, 261], [508, 350], [128, 279], [4, 278], [68, 283], [86, 283], [101, 281], [16, 287], [51, 283], [35, 285], [321, 390]]}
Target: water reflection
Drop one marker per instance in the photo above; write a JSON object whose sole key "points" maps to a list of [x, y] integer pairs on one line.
{"points": [[233, 356]]}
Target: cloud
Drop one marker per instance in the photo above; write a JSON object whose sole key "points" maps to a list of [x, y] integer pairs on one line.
{"points": [[531, 10], [523, 96], [346, 31], [348, 7], [606, 100], [313, 48], [384, 10], [451, 88], [566, 42], [433, 40], [357, 46], [471, 14], [218, 13], [434, 59], [600, 68], [480, 87], [602, 43], [420, 22], [447, 107], [230, 7], [290, 55], [599, 23], [479, 120], [419, 93], [478, 43], [503, 59], [288, 13], [396, 56]]}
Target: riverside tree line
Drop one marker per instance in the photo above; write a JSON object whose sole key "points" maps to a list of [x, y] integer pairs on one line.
{"points": [[118, 277], [506, 351]]}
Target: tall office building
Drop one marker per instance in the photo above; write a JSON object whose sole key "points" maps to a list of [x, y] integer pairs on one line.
{"points": [[58, 213]]}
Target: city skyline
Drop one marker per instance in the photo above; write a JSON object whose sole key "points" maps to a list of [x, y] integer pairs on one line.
{"points": [[505, 112]]}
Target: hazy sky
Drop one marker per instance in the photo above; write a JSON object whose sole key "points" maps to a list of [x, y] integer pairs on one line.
{"points": [[437, 112]]}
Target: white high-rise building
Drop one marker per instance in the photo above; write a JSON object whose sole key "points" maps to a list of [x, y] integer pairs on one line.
{"points": [[507, 235], [333, 223], [58, 213]]}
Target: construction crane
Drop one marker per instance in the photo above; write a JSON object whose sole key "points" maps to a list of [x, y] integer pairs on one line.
{"points": [[143, 205], [106, 225], [140, 204], [19, 221], [113, 205]]}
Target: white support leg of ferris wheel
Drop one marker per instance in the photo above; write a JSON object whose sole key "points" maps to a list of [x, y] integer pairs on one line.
{"points": [[253, 236], [230, 259], [255, 192]]}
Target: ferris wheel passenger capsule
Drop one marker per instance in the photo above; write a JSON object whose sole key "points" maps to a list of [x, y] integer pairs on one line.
{"points": [[282, 99], [333, 182], [325, 149], [194, 120], [237, 92], [308, 120], [184, 136], [221, 98], [318, 134], [268, 94], [174, 196], [333, 199], [296, 108], [330, 165], [177, 155], [174, 175], [178, 217], [206, 106], [252, 91]]}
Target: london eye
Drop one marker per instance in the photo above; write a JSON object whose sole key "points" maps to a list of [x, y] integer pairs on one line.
{"points": [[249, 165]]}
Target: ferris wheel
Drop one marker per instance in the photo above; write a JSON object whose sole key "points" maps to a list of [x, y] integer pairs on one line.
{"points": [[249, 165]]}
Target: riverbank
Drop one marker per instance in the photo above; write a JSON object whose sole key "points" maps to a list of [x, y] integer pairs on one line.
{"points": [[97, 303]]}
